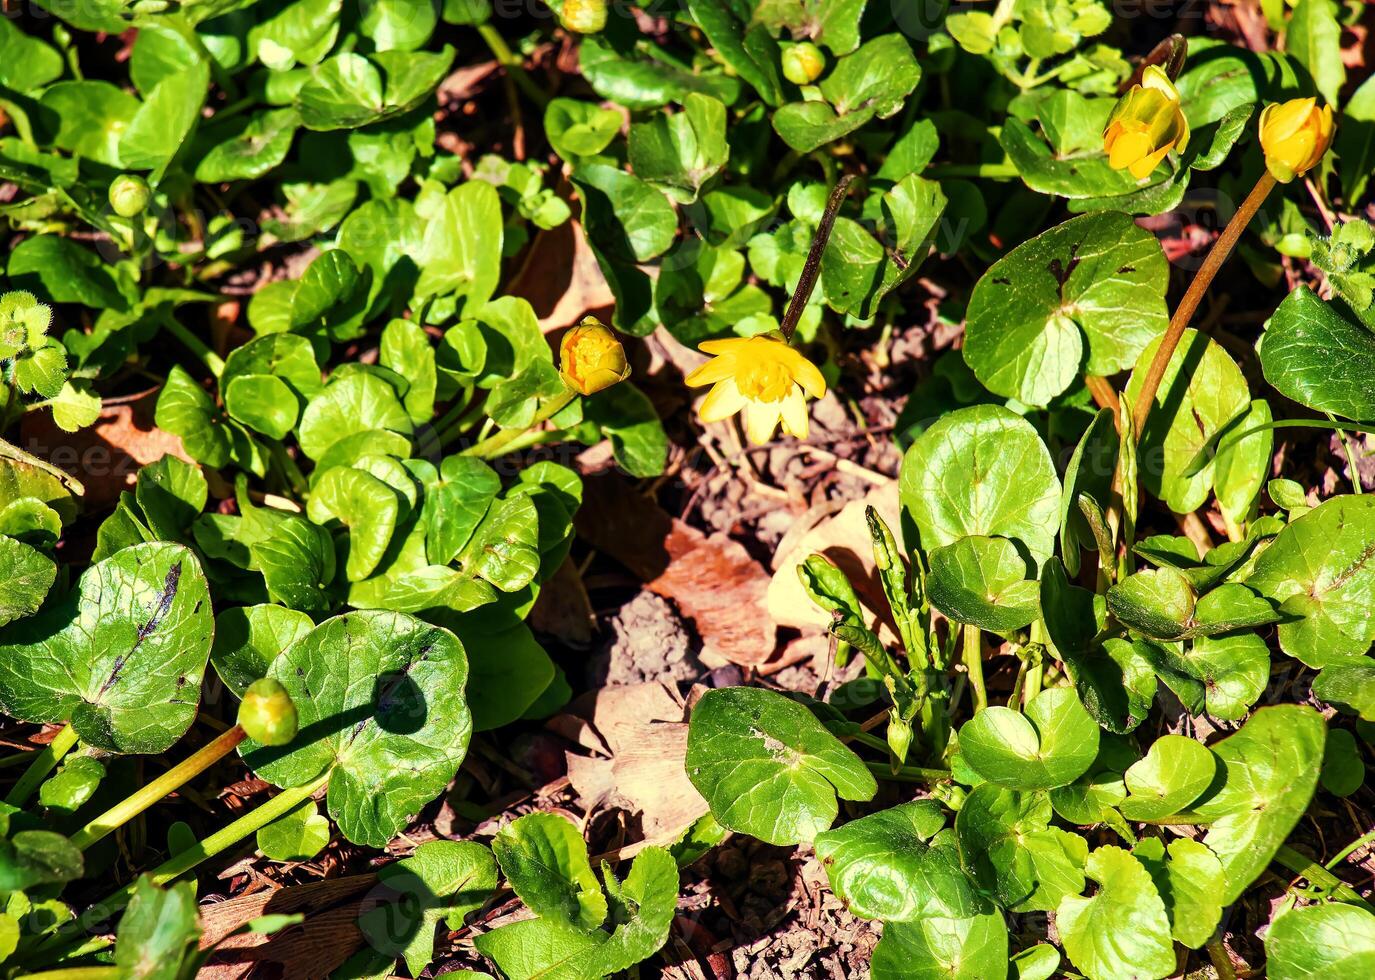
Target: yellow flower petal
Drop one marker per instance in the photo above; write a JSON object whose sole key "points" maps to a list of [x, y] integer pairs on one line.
{"points": [[721, 402], [794, 412], [711, 372], [1127, 149], [723, 346], [807, 374], [1143, 168], [761, 418]]}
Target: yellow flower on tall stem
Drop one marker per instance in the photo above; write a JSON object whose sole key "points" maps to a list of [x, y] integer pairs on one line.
{"points": [[761, 377], [1146, 124], [1294, 136]]}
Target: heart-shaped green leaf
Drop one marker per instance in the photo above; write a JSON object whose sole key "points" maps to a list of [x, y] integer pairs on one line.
{"points": [[983, 582], [1010, 850], [982, 470], [768, 768], [1122, 930], [1329, 940], [885, 866], [1174, 773], [943, 949], [1269, 770], [381, 705], [1052, 744], [1085, 297], [120, 657]]}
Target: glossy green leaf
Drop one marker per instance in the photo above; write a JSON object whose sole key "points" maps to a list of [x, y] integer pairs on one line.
{"points": [[249, 638], [1010, 850], [26, 575], [120, 657], [544, 857], [1084, 297], [1321, 571], [1174, 773], [1330, 940], [1051, 744], [943, 949], [982, 470], [983, 582], [1201, 392], [1315, 355], [1122, 930], [885, 866], [768, 768], [1269, 770], [299, 835], [380, 697]]}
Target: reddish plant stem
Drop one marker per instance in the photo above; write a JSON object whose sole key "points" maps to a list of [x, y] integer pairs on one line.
{"points": [[1183, 313]]}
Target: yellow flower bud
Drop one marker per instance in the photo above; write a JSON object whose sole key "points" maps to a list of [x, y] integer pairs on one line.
{"points": [[1147, 123], [591, 358], [267, 713], [584, 16], [1294, 136], [803, 63]]}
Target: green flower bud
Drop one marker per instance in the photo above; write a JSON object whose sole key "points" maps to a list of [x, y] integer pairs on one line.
{"points": [[129, 195], [267, 713], [584, 16], [803, 63]]}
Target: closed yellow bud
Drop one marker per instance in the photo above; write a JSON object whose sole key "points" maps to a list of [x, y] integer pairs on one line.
{"points": [[584, 16], [267, 713], [1294, 136], [591, 358], [803, 63], [1146, 124]]}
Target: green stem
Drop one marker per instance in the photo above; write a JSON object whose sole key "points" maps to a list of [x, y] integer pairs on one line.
{"points": [[1350, 455], [43, 763], [223, 839], [513, 64], [213, 362], [294, 477], [864, 738], [907, 774], [994, 171], [1318, 875], [134, 804], [974, 664], [1350, 849], [495, 445]]}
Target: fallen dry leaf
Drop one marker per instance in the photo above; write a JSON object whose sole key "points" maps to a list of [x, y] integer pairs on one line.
{"points": [[561, 279], [718, 588], [643, 730], [844, 539], [105, 457], [314, 948]]}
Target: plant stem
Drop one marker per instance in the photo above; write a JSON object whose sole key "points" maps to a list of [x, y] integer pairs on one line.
{"points": [[43, 763], [135, 803], [907, 774], [494, 445], [812, 268], [993, 171], [222, 839], [213, 362], [1183, 313], [1318, 875], [1350, 849], [973, 663], [513, 64]]}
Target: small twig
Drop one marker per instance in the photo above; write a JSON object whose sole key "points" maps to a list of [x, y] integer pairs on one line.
{"points": [[812, 269]]}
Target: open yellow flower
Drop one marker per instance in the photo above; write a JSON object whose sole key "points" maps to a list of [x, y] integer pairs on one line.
{"points": [[764, 378], [1146, 124], [1294, 136]]}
